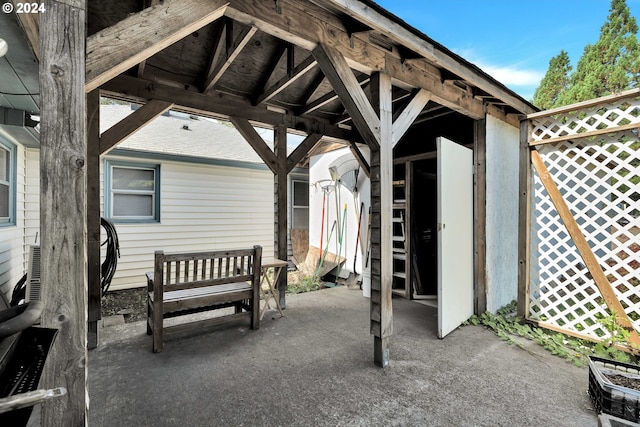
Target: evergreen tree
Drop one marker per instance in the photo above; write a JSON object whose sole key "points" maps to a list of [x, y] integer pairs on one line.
{"points": [[554, 83], [612, 64]]}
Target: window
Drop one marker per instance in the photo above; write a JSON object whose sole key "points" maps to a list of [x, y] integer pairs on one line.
{"points": [[7, 183], [133, 192], [300, 217]]}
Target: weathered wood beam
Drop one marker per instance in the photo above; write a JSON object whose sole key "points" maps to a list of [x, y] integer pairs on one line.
{"points": [[480, 214], [409, 114], [362, 79], [306, 24], [132, 123], [30, 23], [362, 161], [115, 49], [409, 40], [300, 70], [143, 64], [219, 40], [590, 260], [345, 84], [93, 217], [302, 150], [255, 140], [232, 53], [280, 193], [269, 70], [310, 91], [381, 218], [524, 219], [137, 90], [63, 208]]}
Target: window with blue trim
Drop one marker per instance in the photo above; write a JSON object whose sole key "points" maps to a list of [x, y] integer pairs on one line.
{"points": [[7, 183], [133, 192]]}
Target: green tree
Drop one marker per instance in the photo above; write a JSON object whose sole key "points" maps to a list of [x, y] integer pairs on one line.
{"points": [[610, 65], [554, 83]]}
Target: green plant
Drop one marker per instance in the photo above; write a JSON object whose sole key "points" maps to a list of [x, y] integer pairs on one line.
{"points": [[306, 284], [508, 327]]}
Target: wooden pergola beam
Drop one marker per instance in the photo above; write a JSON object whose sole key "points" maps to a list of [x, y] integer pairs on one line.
{"points": [[345, 84], [300, 70], [270, 69], [132, 123], [408, 115], [219, 40], [232, 53], [453, 64], [115, 49], [257, 143], [362, 161], [137, 90], [307, 26], [30, 23], [301, 150], [329, 97]]}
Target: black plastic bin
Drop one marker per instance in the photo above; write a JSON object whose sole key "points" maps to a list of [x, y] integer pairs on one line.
{"points": [[609, 398]]}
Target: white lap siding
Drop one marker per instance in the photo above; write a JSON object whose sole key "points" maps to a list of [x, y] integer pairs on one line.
{"points": [[202, 207]]}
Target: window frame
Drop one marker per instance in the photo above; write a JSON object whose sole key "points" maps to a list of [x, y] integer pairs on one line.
{"points": [[294, 207], [11, 151], [110, 192]]}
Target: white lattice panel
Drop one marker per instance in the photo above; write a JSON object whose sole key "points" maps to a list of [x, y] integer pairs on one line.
{"points": [[599, 182], [585, 120]]}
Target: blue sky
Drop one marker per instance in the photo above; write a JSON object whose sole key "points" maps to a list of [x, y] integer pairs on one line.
{"points": [[512, 40]]}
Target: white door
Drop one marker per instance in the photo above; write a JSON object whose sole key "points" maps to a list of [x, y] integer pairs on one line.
{"points": [[455, 235]]}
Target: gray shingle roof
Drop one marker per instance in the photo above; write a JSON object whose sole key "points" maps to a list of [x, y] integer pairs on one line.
{"points": [[183, 135]]}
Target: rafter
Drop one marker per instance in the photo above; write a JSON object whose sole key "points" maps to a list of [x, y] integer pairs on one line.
{"points": [[337, 71], [307, 26], [115, 49], [219, 40], [302, 150], [143, 64], [409, 114], [300, 70], [362, 79], [232, 53], [132, 123], [138, 90], [270, 69], [255, 140]]}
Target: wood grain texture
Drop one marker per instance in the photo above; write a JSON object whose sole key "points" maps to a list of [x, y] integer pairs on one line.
{"points": [[480, 215], [63, 208], [255, 140], [524, 219], [114, 50], [281, 202], [409, 114], [345, 84], [234, 50], [93, 215], [132, 123], [583, 247]]}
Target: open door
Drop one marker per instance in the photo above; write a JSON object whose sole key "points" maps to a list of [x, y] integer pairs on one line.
{"points": [[455, 235]]}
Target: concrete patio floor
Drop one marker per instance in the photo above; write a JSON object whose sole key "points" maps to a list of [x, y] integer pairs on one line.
{"points": [[314, 367]]}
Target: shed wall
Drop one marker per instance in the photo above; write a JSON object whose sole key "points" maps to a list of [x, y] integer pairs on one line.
{"points": [[502, 141]]}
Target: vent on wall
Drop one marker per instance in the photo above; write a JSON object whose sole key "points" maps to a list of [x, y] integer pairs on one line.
{"points": [[33, 274]]}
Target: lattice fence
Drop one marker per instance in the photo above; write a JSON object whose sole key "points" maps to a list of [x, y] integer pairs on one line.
{"points": [[593, 156]]}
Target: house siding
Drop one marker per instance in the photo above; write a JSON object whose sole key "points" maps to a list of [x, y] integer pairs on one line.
{"points": [[201, 208], [12, 258]]}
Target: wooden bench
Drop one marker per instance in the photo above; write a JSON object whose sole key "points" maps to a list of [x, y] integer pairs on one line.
{"points": [[186, 283]]}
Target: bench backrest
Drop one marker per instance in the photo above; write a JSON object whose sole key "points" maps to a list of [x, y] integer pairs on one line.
{"points": [[178, 271]]}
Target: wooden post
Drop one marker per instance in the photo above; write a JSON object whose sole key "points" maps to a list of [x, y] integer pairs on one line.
{"points": [[280, 202], [480, 214], [381, 221], [93, 217], [524, 219], [63, 209]]}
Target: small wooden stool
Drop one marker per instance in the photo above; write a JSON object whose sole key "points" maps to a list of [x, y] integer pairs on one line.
{"points": [[268, 290]]}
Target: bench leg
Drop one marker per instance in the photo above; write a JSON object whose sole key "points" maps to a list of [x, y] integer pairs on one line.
{"points": [[149, 318], [158, 344]]}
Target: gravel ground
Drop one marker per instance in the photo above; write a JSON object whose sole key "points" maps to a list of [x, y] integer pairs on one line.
{"points": [[128, 302]]}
